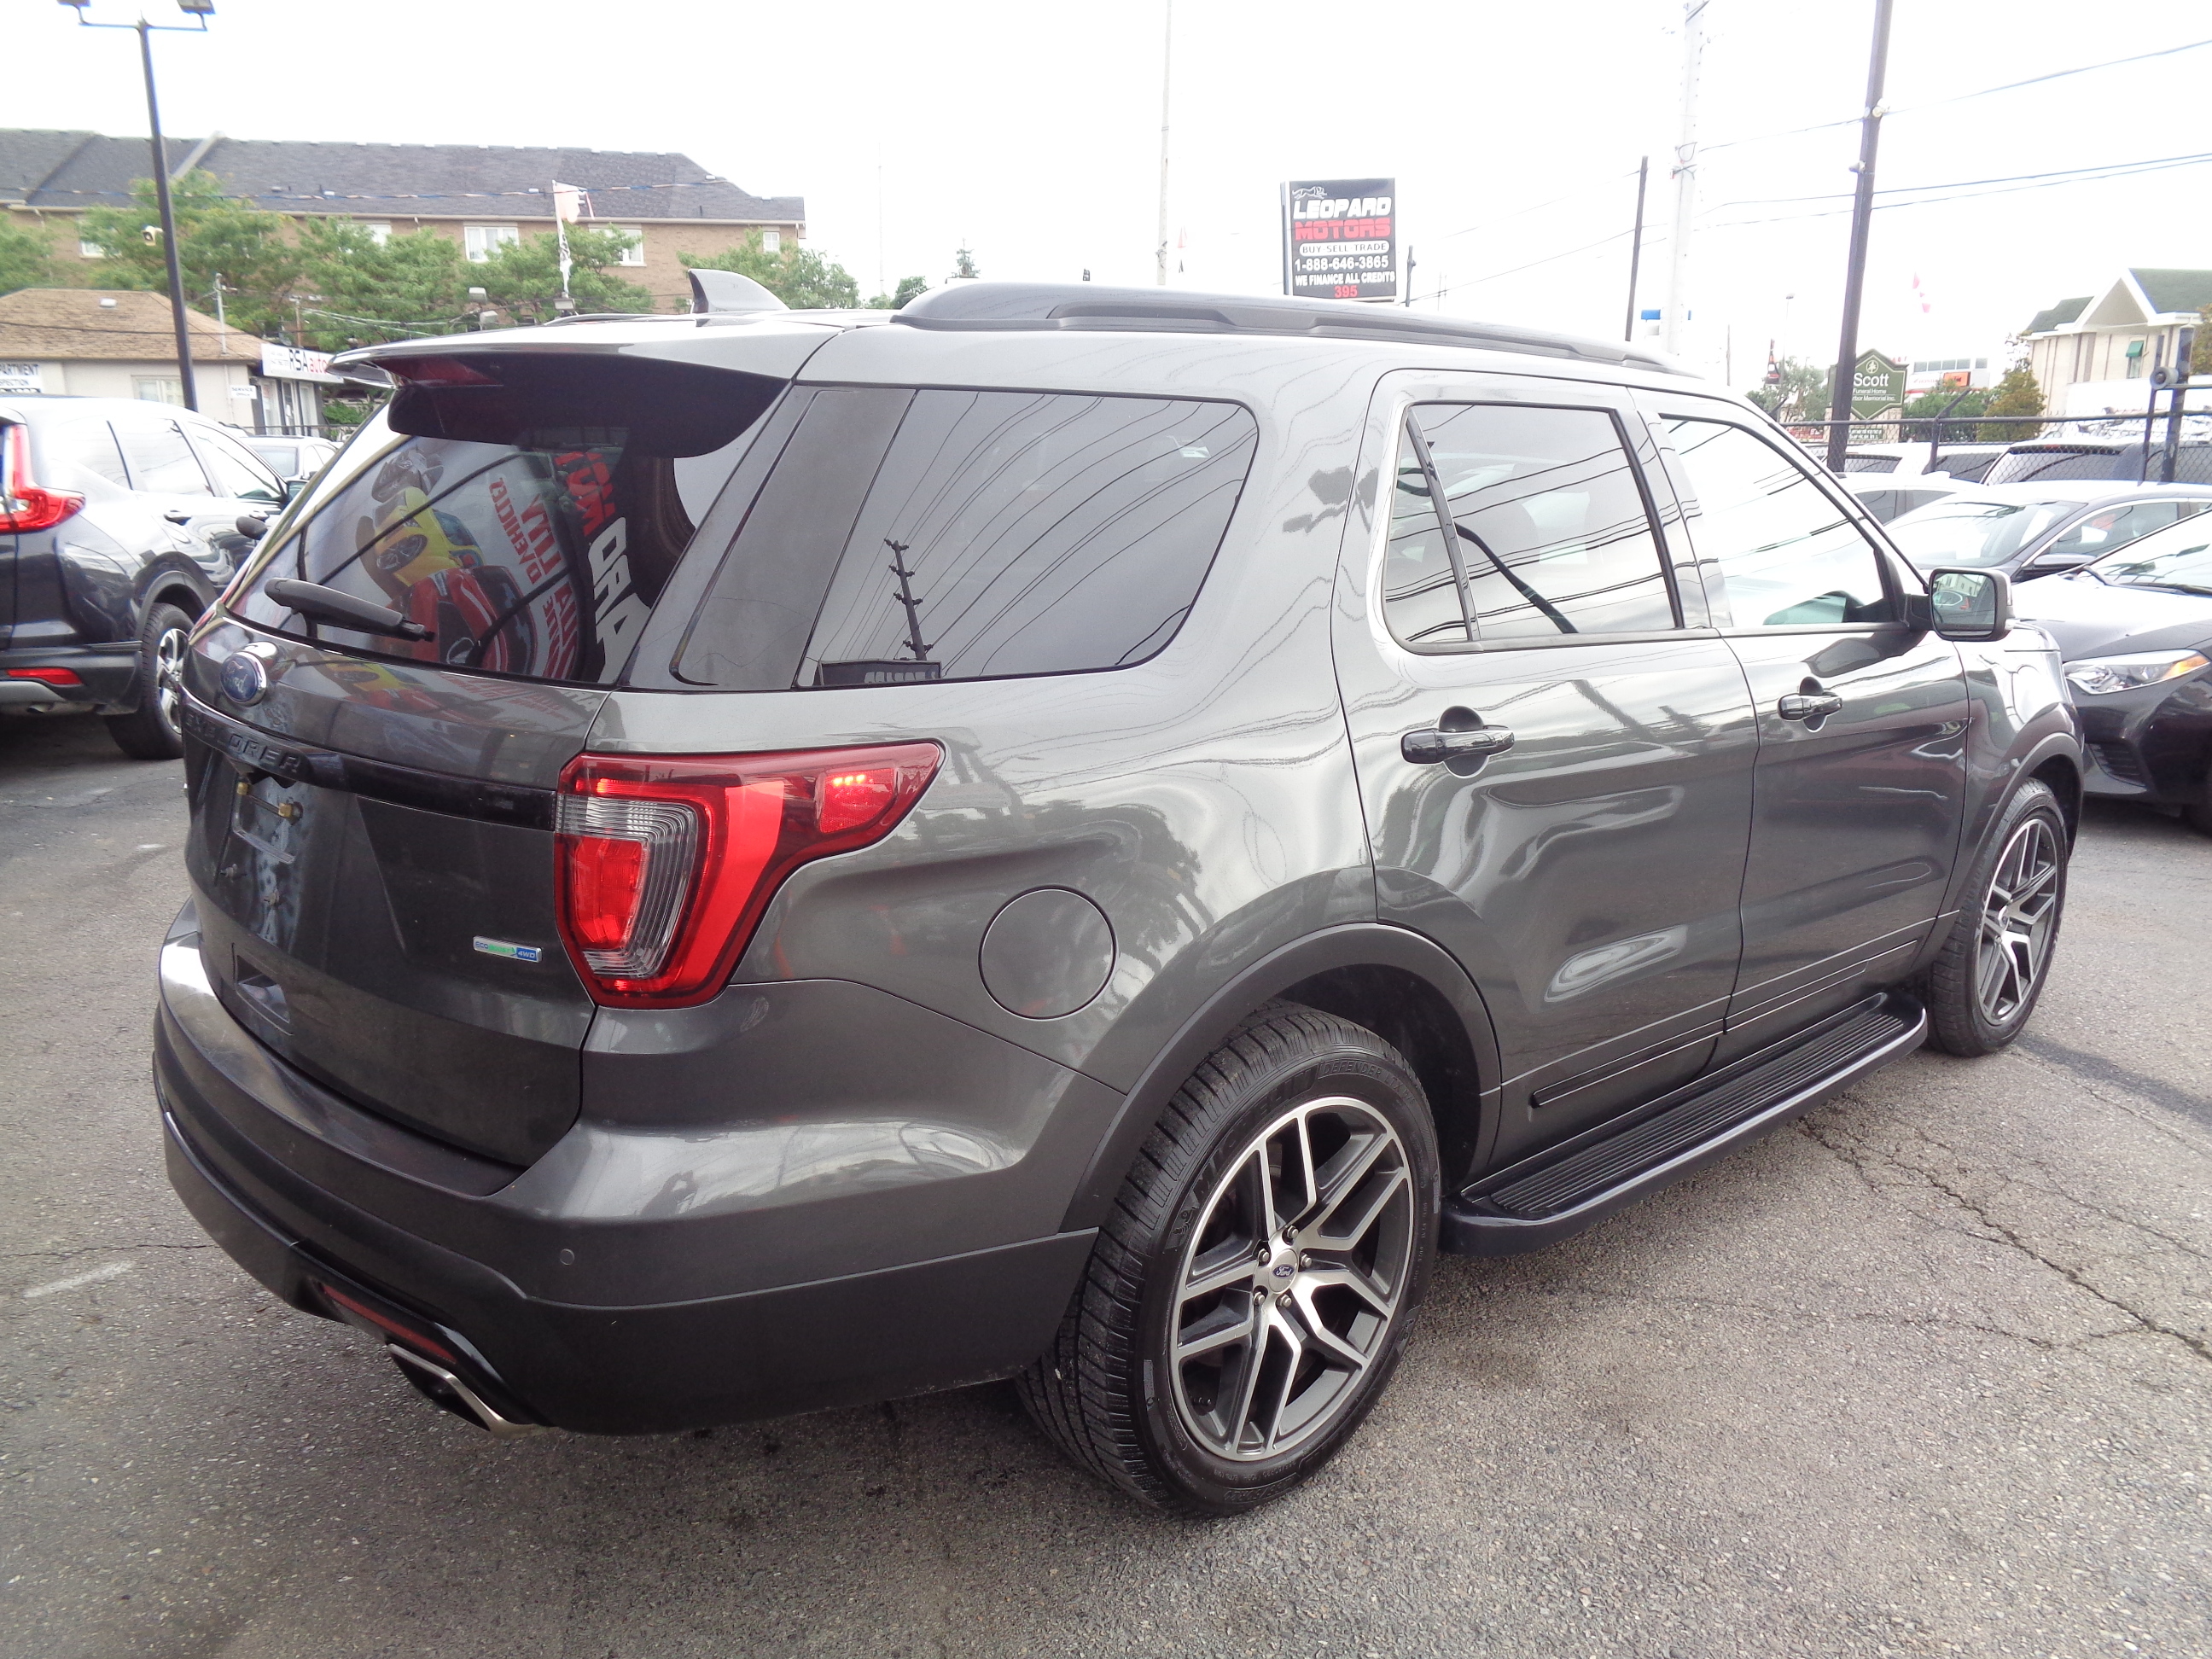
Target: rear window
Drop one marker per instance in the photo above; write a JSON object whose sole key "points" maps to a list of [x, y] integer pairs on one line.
{"points": [[2027, 466], [908, 536], [529, 522]]}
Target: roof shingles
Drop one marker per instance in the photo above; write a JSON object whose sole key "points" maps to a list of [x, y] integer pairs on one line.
{"points": [[70, 324], [66, 170]]}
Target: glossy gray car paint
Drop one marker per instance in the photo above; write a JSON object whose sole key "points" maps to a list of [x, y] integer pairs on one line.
{"points": [[1212, 803]]}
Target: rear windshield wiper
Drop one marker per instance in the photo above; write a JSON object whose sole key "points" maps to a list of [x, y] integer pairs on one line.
{"points": [[327, 604]]}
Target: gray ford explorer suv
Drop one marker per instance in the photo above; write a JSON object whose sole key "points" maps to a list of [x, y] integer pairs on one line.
{"points": [[755, 861]]}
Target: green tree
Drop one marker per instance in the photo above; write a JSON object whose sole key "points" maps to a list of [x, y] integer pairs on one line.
{"points": [[1801, 393], [2017, 393], [356, 291], [800, 277], [909, 288], [963, 263], [26, 259], [523, 278], [216, 236], [1934, 402], [2200, 354]]}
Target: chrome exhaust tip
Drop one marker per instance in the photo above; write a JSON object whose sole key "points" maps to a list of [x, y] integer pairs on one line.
{"points": [[442, 1389]]}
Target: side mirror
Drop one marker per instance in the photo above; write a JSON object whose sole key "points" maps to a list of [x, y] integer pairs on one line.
{"points": [[1969, 604], [253, 526], [2044, 564]]}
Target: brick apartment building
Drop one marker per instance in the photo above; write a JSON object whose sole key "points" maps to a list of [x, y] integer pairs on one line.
{"points": [[479, 195]]}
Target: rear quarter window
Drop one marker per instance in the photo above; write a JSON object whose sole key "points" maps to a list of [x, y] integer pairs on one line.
{"points": [[972, 535]]}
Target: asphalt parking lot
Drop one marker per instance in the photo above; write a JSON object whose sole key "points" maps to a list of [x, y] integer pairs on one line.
{"points": [[1931, 1374]]}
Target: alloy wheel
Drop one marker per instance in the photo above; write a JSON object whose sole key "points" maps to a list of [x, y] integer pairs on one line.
{"points": [[1292, 1280], [169, 674], [2019, 919]]}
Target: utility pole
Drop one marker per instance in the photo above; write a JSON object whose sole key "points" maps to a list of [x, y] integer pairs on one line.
{"points": [[1636, 246], [1167, 61], [198, 11], [1409, 275], [907, 600], [1847, 349], [1686, 178]]}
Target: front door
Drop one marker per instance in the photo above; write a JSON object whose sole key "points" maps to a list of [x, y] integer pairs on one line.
{"points": [[1862, 726], [1554, 750]]}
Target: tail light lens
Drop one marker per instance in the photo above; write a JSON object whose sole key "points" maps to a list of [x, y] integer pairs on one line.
{"points": [[666, 862], [23, 504], [63, 680]]}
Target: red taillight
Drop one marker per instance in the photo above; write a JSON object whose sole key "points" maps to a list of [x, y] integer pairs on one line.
{"points": [[64, 678], [666, 862], [23, 504]]}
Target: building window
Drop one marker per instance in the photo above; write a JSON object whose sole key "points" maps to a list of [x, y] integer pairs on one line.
{"points": [[2135, 360], [771, 241], [481, 239], [90, 250], [155, 389], [380, 231], [633, 253]]}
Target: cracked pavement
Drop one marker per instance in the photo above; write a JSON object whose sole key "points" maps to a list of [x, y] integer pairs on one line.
{"points": [[1930, 1375]]}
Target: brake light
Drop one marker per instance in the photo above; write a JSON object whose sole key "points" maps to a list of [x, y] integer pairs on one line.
{"points": [[437, 371], [64, 678], [23, 504], [666, 863]]}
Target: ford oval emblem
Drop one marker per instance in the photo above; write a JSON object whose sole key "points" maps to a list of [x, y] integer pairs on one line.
{"points": [[244, 677]]}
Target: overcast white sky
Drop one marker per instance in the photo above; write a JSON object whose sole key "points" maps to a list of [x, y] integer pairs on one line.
{"points": [[1031, 131]]}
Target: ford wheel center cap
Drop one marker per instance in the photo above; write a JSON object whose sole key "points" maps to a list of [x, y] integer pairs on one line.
{"points": [[246, 677]]}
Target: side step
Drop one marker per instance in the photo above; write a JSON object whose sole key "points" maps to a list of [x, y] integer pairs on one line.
{"points": [[1558, 1193]]}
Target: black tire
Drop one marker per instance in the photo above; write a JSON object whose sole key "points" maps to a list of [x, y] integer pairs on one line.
{"points": [[149, 730], [1983, 986], [1292, 1087]]}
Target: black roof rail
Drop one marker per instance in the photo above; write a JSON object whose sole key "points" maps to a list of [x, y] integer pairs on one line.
{"points": [[1018, 305]]}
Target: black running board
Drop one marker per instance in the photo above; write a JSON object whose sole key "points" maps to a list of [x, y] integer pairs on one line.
{"points": [[1558, 1194]]}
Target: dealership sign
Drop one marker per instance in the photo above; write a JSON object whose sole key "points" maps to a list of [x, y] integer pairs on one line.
{"points": [[294, 363], [1340, 238], [22, 377]]}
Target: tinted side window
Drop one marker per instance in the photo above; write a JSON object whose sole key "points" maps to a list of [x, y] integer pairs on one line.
{"points": [[1554, 536], [235, 471], [2116, 527], [1011, 532], [161, 462], [82, 454], [1787, 555]]}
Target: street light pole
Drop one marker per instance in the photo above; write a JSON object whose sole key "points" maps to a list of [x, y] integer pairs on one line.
{"points": [[200, 10], [1167, 64], [1841, 385]]}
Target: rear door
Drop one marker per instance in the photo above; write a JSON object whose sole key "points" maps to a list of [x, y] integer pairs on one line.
{"points": [[1581, 852], [1862, 725], [372, 845]]}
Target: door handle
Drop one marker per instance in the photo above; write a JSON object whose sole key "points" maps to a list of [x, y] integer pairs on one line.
{"points": [[1431, 746], [1808, 705]]}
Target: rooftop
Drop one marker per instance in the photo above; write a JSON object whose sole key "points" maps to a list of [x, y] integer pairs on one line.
{"points": [[72, 324], [67, 170]]}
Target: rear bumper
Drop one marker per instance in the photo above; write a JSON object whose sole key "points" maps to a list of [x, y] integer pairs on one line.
{"points": [[109, 673], [296, 1187]]}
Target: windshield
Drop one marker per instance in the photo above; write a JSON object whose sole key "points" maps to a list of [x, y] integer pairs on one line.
{"points": [[2179, 557], [1963, 531]]}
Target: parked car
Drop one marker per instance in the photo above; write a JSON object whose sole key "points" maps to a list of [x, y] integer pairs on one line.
{"points": [[118, 525], [2030, 530], [1062, 832], [292, 459], [2136, 628], [1966, 462], [2113, 459], [1884, 498]]}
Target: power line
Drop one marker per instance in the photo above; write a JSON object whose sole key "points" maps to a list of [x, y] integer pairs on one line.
{"points": [[1476, 281], [2056, 173], [2119, 170], [1960, 98]]}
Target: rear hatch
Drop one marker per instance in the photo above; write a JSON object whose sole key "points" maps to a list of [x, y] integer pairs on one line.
{"points": [[372, 843]]}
